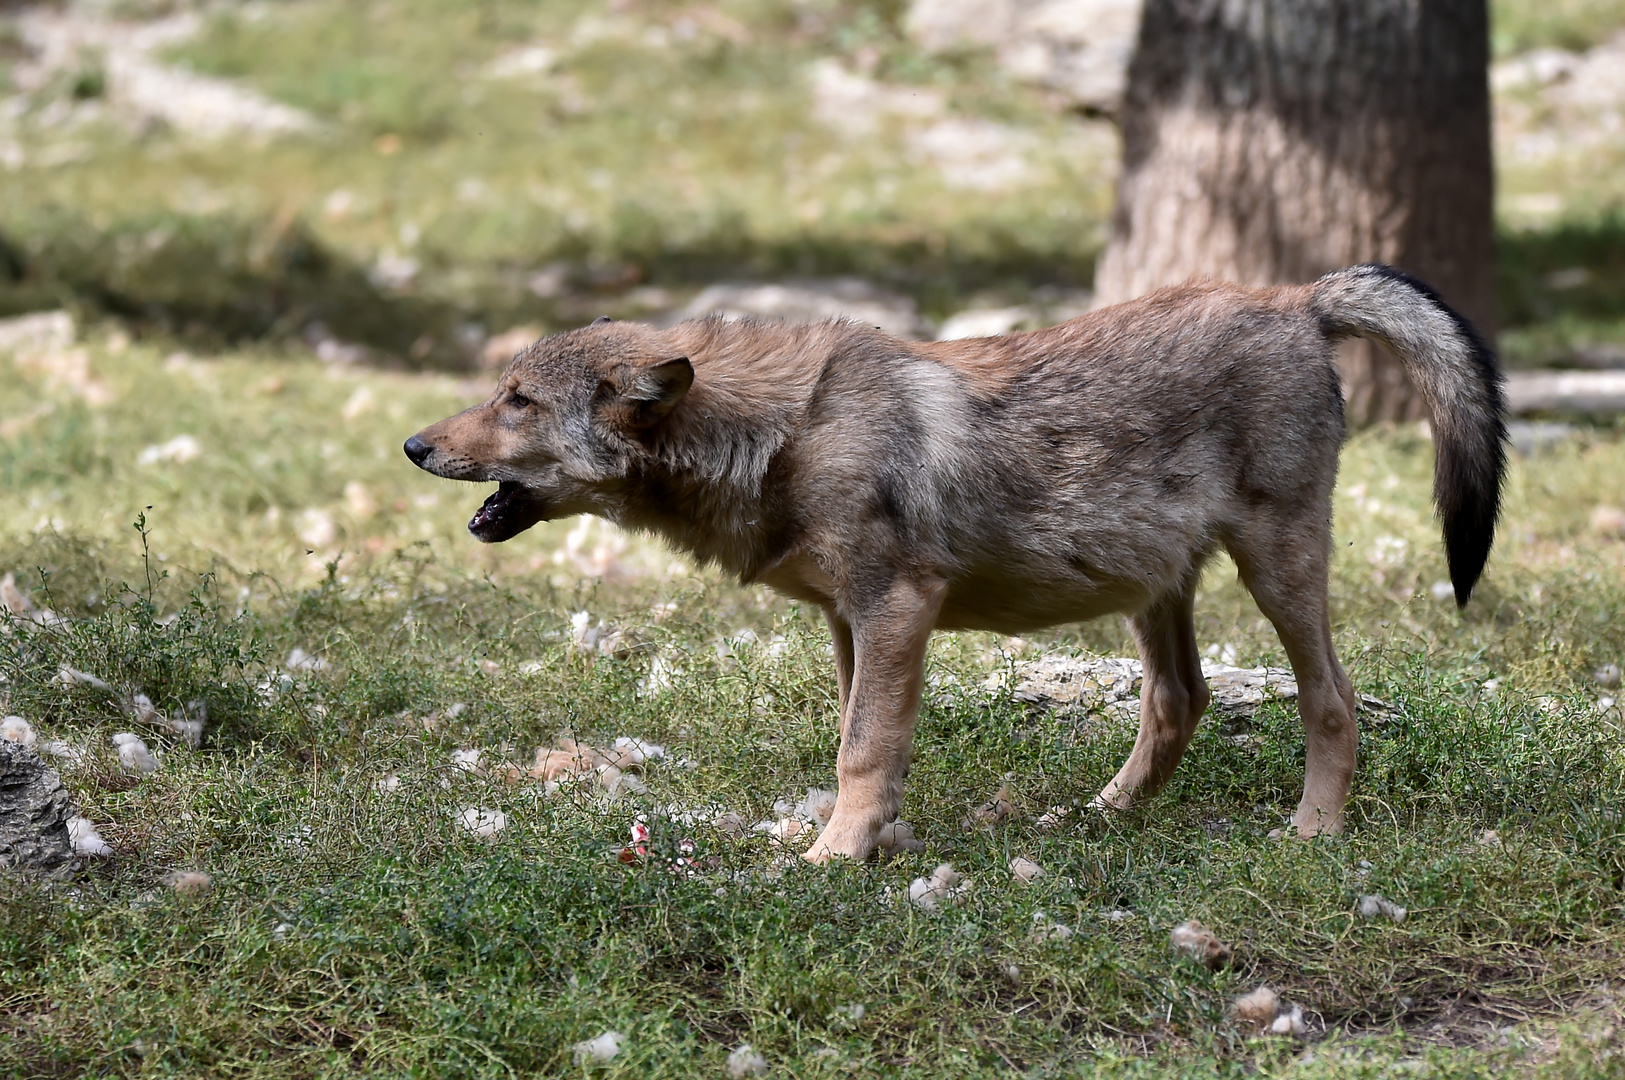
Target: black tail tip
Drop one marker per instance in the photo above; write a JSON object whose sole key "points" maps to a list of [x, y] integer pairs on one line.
{"points": [[1466, 552]]}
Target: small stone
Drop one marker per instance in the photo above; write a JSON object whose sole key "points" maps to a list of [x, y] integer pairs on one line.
{"points": [[819, 805], [731, 824], [16, 729], [992, 812], [1257, 1008], [87, 842], [133, 754], [1608, 676], [1025, 870], [1044, 929], [1608, 521], [1289, 1022], [604, 1048], [745, 1061], [898, 837], [1197, 942], [942, 887], [482, 822], [1380, 907]]}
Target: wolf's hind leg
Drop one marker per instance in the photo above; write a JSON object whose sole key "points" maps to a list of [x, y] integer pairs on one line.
{"points": [[877, 724], [1284, 565], [1173, 696], [840, 632]]}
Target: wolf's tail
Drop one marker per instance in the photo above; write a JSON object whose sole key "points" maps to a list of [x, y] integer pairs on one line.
{"points": [[1457, 375]]}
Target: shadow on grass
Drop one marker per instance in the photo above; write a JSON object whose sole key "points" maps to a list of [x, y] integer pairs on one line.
{"points": [[216, 281], [1574, 270]]}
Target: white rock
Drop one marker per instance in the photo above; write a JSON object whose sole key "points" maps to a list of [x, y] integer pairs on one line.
{"points": [[973, 154], [1044, 929], [317, 528], [16, 729], [300, 660], [604, 1048], [1258, 1008], [745, 1061], [818, 806], [133, 754], [1080, 48], [855, 106], [45, 331], [810, 301], [984, 322], [898, 837], [522, 61], [944, 886], [1380, 907], [1025, 870], [482, 822], [86, 840], [74, 677], [1289, 1022], [179, 450]]}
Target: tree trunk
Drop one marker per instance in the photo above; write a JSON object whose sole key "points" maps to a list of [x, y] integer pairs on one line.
{"points": [[1271, 141]]}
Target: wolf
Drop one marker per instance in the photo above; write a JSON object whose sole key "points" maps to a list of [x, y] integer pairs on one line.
{"points": [[1001, 484]]}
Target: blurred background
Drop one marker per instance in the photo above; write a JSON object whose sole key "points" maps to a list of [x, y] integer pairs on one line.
{"points": [[426, 184]]}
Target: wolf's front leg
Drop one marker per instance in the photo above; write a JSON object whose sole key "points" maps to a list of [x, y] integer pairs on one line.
{"points": [[877, 722]]}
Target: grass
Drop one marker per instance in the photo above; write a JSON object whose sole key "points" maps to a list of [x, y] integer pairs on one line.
{"points": [[1517, 26], [353, 932]]}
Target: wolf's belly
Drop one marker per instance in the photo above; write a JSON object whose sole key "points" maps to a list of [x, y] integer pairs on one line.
{"points": [[1017, 605]]}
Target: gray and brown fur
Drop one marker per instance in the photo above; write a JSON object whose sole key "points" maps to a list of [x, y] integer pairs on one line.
{"points": [[1000, 484]]}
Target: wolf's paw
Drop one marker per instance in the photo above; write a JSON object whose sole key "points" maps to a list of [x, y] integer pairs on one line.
{"points": [[1316, 822], [1111, 801], [838, 841]]}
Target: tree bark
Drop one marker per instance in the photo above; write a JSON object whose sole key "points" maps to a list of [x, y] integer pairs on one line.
{"points": [[1271, 141]]}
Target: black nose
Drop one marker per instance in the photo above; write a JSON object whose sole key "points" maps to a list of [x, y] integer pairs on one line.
{"points": [[417, 449]]}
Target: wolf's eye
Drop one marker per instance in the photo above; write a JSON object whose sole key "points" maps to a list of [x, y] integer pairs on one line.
{"points": [[519, 401]]}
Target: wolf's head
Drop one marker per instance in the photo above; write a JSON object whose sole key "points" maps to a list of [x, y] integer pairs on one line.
{"points": [[568, 419]]}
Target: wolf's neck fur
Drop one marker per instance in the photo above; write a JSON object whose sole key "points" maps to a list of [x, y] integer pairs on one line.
{"points": [[701, 485]]}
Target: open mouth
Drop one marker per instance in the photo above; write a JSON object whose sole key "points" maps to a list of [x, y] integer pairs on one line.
{"points": [[509, 511]]}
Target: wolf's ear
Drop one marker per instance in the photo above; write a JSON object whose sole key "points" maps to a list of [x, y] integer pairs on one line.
{"points": [[645, 395]]}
